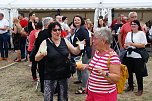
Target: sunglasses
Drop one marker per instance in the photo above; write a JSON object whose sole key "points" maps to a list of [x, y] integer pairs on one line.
{"points": [[133, 24], [134, 17], [55, 30]]}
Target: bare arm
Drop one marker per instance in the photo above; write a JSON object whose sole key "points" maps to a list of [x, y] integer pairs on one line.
{"points": [[41, 52], [72, 49], [138, 45], [15, 30], [113, 75], [120, 40], [4, 28]]}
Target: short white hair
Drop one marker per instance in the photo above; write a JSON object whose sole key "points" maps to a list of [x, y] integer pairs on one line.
{"points": [[132, 13], [105, 33]]}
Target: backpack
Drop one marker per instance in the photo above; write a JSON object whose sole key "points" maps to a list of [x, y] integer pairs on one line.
{"points": [[123, 76]]}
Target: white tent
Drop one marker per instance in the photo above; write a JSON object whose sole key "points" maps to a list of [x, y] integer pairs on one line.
{"points": [[79, 4], [102, 6]]}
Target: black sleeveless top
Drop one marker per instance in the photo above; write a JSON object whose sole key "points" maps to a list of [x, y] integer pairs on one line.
{"points": [[54, 64]]}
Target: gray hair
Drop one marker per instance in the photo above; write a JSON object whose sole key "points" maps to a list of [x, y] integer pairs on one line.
{"points": [[46, 20], [105, 33], [132, 13]]}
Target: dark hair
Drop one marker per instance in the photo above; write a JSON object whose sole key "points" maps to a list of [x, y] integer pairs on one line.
{"points": [[2, 14], [22, 14], [52, 26], [82, 21], [103, 22], [39, 25], [31, 13], [57, 15], [70, 24], [63, 18], [138, 23]]}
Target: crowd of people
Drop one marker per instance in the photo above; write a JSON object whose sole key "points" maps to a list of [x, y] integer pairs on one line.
{"points": [[47, 43]]}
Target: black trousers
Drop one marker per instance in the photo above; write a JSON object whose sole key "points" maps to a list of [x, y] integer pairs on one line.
{"points": [[41, 66], [135, 65]]}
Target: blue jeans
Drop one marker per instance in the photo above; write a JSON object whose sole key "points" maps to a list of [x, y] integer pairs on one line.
{"points": [[23, 47], [85, 72], [4, 45]]}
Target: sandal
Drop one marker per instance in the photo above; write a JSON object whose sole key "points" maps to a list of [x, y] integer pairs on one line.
{"points": [[80, 91]]}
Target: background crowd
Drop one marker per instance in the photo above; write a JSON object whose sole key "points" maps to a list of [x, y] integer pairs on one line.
{"points": [[45, 43]]}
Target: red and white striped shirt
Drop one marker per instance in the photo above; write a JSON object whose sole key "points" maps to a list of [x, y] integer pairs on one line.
{"points": [[96, 82]]}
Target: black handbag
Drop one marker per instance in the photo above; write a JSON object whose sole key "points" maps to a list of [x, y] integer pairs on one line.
{"points": [[69, 62], [144, 54]]}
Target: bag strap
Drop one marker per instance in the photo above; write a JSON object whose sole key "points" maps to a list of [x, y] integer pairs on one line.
{"points": [[132, 37], [52, 43], [108, 64]]}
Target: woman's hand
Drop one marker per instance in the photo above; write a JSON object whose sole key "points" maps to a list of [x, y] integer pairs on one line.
{"points": [[101, 72], [83, 67]]}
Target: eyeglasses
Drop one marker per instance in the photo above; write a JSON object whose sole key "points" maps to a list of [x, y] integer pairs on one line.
{"points": [[55, 30]]}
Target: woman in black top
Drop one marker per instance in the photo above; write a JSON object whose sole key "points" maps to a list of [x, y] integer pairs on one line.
{"points": [[31, 23], [16, 33], [54, 50]]}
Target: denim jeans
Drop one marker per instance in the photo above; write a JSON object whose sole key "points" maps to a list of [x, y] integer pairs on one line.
{"points": [[23, 47], [49, 88], [85, 72], [4, 45]]}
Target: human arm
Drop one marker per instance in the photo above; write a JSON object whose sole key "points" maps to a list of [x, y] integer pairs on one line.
{"points": [[4, 28], [42, 52], [14, 30], [139, 41], [114, 73], [72, 49], [120, 40]]}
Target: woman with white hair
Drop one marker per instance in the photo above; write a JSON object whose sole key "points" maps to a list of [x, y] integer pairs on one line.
{"points": [[103, 75]]}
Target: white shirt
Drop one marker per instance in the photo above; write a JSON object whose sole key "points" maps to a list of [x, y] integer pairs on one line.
{"points": [[3, 23], [138, 37]]}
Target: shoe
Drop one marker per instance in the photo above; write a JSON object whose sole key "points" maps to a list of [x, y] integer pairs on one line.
{"points": [[77, 82], [129, 89], [17, 60], [35, 79], [80, 91], [1, 59], [6, 59], [23, 60], [139, 93]]}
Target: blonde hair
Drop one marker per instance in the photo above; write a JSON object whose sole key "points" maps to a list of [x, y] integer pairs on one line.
{"points": [[17, 23]]}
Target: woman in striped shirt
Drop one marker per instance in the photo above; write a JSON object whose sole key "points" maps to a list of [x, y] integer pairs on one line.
{"points": [[102, 80]]}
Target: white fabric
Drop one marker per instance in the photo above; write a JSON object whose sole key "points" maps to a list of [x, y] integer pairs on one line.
{"points": [[3, 23], [138, 37]]}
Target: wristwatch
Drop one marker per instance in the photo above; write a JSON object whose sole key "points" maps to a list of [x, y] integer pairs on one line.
{"points": [[107, 74]]}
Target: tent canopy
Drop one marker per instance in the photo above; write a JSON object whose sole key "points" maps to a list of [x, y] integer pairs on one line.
{"points": [[74, 4]]}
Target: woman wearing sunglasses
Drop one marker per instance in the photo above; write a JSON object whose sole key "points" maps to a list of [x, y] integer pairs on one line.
{"points": [[135, 39], [54, 50]]}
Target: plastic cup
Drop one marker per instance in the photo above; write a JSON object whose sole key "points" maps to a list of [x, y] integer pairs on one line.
{"points": [[81, 46], [78, 62]]}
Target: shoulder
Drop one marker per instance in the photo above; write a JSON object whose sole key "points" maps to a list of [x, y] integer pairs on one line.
{"points": [[141, 32]]}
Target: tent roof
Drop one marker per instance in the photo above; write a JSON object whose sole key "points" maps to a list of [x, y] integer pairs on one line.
{"points": [[127, 3], [55, 4], [74, 4]]}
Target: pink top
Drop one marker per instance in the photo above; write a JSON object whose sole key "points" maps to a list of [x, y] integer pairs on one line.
{"points": [[32, 38], [96, 82]]}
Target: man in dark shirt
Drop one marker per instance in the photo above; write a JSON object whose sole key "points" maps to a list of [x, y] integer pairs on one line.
{"points": [[41, 36]]}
